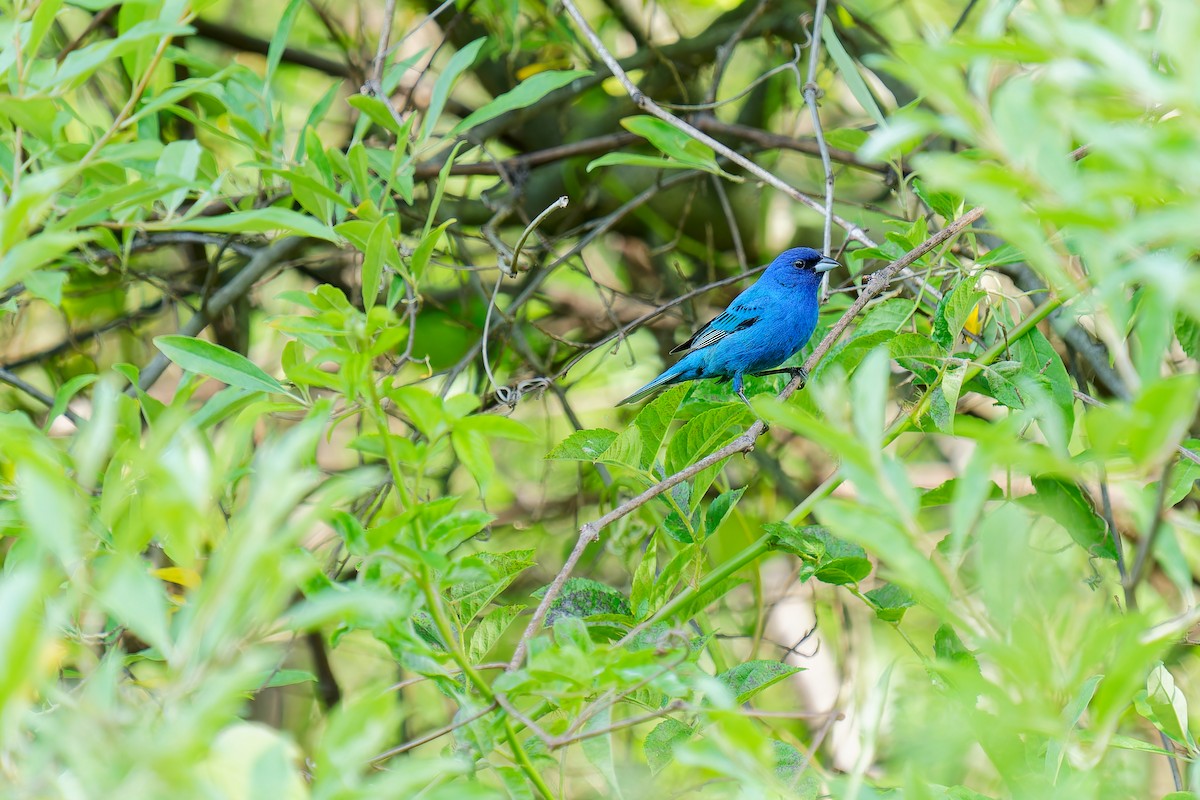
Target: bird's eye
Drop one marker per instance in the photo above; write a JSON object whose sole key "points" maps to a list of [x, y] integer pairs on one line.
{"points": [[798, 264]]}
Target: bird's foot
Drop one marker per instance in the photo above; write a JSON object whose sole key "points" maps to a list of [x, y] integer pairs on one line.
{"points": [[792, 372], [741, 392]]}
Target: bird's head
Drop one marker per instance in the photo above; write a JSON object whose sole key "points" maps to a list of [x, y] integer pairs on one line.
{"points": [[806, 258], [801, 264]]}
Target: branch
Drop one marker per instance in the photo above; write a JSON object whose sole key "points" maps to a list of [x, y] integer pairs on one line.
{"points": [[237, 39], [434, 734], [37, 394], [507, 166], [774, 141]]}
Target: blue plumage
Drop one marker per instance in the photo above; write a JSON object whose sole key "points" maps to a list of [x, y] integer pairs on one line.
{"points": [[764, 326]]}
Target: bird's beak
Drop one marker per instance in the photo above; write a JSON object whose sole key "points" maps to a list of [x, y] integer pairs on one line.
{"points": [[826, 264]]}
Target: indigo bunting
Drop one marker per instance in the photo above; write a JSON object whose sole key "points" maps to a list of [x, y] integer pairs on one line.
{"points": [[764, 326]]}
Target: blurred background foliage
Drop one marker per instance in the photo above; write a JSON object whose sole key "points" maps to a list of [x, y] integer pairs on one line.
{"points": [[307, 381]]}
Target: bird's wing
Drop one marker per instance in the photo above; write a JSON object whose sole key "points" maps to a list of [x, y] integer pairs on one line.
{"points": [[739, 316]]}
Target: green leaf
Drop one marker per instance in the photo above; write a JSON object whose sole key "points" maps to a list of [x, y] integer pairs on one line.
{"points": [[703, 434], [1065, 504], [952, 312], [47, 285], [490, 629], [1166, 706], [372, 267], [640, 160], [882, 534], [63, 396], [584, 597], [654, 419], [28, 255], [677, 528], [999, 256], [626, 450], [802, 543], [661, 742], [599, 749], [943, 203], [472, 596], [918, 354], [586, 445], [1041, 363], [524, 94], [672, 142], [455, 528], [473, 451], [377, 111], [135, 599], [949, 648], [180, 160], [24, 630], [850, 74], [258, 220], [642, 589], [570, 631], [215, 361], [279, 38], [720, 508], [495, 426], [458, 64], [82, 63], [748, 679], [424, 249], [1187, 331], [287, 677], [952, 383], [890, 602], [842, 562], [886, 316], [1150, 428]]}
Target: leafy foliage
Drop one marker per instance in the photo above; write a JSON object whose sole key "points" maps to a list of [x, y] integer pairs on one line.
{"points": [[310, 481]]}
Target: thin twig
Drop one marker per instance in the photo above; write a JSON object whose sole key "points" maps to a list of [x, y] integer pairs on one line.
{"points": [[434, 734], [531, 227], [1146, 547], [389, 11], [810, 91], [725, 51], [731, 222], [710, 105], [502, 393], [37, 394], [374, 85]]}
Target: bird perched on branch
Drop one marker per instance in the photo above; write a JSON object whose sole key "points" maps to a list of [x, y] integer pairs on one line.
{"points": [[763, 327]]}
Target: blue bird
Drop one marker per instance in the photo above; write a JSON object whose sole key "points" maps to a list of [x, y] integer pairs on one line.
{"points": [[764, 326]]}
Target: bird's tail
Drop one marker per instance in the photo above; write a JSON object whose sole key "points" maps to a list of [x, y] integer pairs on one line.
{"points": [[670, 376]]}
